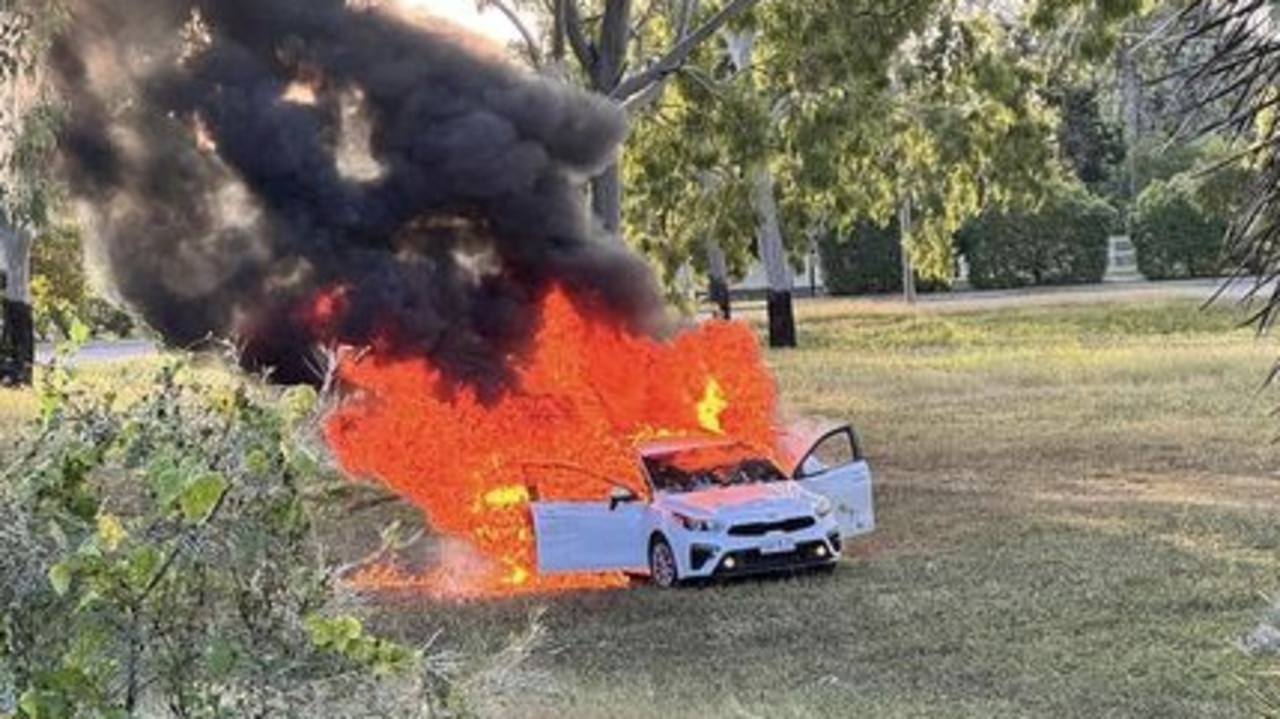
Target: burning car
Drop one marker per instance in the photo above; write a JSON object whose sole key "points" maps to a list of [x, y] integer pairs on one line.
{"points": [[715, 507]]}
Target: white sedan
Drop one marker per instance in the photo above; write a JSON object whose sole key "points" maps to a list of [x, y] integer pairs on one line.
{"points": [[715, 509]]}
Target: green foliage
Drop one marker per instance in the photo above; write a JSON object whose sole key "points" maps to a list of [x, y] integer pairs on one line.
{"points": [[684, 183], [1061, 241], [157, 550], [1092, 148], [866, 260], [853, 107], [959, 127], [30, 118], [1093, 26], [61, 295], [1157, 158], [1175, 231]]}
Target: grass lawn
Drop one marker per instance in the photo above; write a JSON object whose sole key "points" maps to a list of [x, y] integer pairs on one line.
{"points": [[1077, 513], [1078, 517]]}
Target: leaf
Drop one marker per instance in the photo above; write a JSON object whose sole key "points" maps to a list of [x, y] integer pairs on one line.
{"points": [[201, 496], [111, 533], [79, 333], [60, 578], [142, 564], [165, 479], [221, 657]]}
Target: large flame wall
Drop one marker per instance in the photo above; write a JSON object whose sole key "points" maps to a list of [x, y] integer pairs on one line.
{"points": [[586, 393]]}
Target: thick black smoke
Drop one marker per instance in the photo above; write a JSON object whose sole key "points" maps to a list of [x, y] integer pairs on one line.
{"points": [[438, 187]]}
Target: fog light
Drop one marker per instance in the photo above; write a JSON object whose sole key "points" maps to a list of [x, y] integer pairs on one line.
{"points": [[730, 562], [821, 551]]}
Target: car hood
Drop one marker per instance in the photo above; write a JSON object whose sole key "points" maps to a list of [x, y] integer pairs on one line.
{"points": [[753, 502]]}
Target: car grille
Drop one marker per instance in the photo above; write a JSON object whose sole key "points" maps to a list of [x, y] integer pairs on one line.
{"points": [[759, 529]]}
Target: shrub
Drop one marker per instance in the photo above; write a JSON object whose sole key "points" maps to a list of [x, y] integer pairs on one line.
{"points": [[1175, 233], [1064, 241], [158, 558], [867, 260]]}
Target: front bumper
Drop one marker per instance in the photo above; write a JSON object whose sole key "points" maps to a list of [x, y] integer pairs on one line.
{"points": [[737, 557]]}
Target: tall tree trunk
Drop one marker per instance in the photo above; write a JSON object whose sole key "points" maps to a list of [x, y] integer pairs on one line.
{"points": [[1131, 110], [606, 71], [908, 269], [782, 323], [17, 342], [606, 200], [718, 279]]}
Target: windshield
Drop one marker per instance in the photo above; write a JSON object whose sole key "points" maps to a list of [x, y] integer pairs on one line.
{"points": [[696, 469]]}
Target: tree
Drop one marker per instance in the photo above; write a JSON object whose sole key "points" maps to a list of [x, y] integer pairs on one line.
{"points": [[625, 50], [1091, 147], [28, 123], [713, 168], [1231, 89], [859, 112]]}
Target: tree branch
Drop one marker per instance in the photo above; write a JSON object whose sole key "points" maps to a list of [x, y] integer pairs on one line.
{"points": [[532, 47], [572, 22], [615, 29], [676, 56]]}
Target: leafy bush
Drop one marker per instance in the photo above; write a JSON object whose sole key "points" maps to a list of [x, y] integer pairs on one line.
{"points": [[61, 293], [1064, 241], [1175, 231], [157, 558], [867, 260]]}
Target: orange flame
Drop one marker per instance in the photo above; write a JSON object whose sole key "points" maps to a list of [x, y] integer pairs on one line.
{"points": [[586, 393], [710, 408]]}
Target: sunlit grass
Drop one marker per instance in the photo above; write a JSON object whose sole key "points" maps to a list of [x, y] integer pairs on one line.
{"points": [[20, 407]]}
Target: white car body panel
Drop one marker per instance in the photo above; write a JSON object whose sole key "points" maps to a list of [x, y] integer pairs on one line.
{"points": [[589, 536], [849, 488], [615, 536]]}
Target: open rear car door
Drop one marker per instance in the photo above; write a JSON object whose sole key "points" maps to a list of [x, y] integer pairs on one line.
{"points": [[828, 461], [598, 526]]}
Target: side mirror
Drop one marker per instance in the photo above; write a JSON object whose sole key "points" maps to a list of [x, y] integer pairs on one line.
{"points": [[621, 495]]}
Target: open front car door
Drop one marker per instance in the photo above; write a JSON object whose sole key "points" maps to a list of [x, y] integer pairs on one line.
{"points": [[832, 465], [599, 530]]}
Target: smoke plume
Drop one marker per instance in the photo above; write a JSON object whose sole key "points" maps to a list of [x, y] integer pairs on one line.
{"points": [[238, 159]]}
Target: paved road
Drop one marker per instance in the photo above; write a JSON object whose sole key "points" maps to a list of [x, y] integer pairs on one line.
{"points": [[1201, 290], [105, 351]]}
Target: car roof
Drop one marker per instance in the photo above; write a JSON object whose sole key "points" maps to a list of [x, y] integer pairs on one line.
{"points": [[682, 443]]}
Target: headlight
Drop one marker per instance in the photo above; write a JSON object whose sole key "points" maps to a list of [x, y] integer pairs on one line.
{"points": [[693, 524], [823, 507]]}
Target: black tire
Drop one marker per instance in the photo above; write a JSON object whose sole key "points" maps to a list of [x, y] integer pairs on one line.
{"points": [[664, 573]]}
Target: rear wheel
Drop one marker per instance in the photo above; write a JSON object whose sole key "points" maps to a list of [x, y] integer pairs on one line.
{"points": [[663, 571]]}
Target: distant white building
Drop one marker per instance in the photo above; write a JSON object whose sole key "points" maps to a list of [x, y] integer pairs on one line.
{"points": [[808, 280]]}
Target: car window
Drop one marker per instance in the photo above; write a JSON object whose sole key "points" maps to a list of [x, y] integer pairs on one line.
{"points": [[702, 468], [835, 450]]}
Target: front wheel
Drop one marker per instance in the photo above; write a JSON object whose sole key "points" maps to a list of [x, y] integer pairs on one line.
{"points": [[663, 571]]}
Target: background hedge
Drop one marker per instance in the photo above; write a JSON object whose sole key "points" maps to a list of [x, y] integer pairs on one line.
{"points": [[1175, 233], [866, 261], [1064, 241]]}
